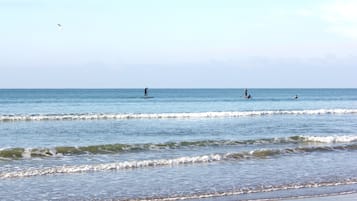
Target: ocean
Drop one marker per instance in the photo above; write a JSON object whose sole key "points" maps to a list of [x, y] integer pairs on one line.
{"points": [[177, 144]]}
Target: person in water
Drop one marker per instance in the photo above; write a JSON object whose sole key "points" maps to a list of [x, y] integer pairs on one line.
{"points": [[296, 97], [146, 91], [246, 95]]}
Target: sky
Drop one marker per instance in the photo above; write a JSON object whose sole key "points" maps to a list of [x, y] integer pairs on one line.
{"points": [[178, 44]]}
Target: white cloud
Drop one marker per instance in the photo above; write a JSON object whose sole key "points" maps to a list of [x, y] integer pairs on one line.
{"points": [[340, 11], [341, 17], [347, 31]]}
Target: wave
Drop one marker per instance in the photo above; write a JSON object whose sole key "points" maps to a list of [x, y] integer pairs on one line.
{"points": [[46, 117], [17, 153], [262, 189], [330, 139], [255, 154]]}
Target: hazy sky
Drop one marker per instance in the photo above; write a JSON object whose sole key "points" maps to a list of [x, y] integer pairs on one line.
{"points": [[178, 43]]}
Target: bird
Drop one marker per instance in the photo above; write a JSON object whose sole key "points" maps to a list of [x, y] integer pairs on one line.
{"points": [[59, 26]]}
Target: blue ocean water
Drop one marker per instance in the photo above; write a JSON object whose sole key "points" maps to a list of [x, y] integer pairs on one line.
{"points": [[99, 144]]}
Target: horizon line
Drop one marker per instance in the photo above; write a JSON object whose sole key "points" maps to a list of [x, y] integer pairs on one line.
{"points": [[89, 88]]}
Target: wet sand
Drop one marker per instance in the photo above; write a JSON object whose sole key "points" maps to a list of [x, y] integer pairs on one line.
{"points": [[346, 197]]}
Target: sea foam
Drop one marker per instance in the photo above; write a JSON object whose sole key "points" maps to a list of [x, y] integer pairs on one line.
{"points": [[260, 189], [330, 139], [43, 117]]}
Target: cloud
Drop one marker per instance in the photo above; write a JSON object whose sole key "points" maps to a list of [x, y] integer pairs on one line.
{"points": [[340, 11], [341, 17], [346, 31]]}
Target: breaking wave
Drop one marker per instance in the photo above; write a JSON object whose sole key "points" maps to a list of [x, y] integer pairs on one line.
{"points": [[255, 154], [17, 153], [45, 117], [330, 139]]}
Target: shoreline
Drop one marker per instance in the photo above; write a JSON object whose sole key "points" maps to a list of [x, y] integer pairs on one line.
{"points": [[347, 196]]}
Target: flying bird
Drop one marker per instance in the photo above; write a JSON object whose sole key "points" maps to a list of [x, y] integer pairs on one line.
{"points": [[59, 26]]}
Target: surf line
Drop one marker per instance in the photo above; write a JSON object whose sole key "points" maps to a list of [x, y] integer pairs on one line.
{"points": [[254, 154], [261, 189], [44, 117]]}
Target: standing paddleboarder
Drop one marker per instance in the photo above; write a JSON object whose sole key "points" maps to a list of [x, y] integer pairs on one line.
{"points": [[146, 91]]}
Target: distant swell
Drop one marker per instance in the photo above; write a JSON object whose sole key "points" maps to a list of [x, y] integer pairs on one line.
{"points": [[255, 154], [44, 117], [17, 153]]}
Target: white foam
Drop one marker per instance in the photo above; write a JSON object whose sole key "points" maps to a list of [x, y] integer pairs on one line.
{"points": [[41, 117], [112, 166], [26, 153], [261, 189], [331, 139]]}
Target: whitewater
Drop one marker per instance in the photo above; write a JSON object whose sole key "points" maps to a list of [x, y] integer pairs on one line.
{"points": [[39, 117]]}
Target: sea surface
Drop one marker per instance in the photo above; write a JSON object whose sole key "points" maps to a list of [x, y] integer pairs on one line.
{"points": [[177, 144]]}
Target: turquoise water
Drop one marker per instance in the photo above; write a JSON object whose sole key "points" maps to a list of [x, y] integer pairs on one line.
{"points": [[85, 144]]}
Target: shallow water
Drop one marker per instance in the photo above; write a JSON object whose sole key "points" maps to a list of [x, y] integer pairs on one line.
{"points": [[180, 144]]}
